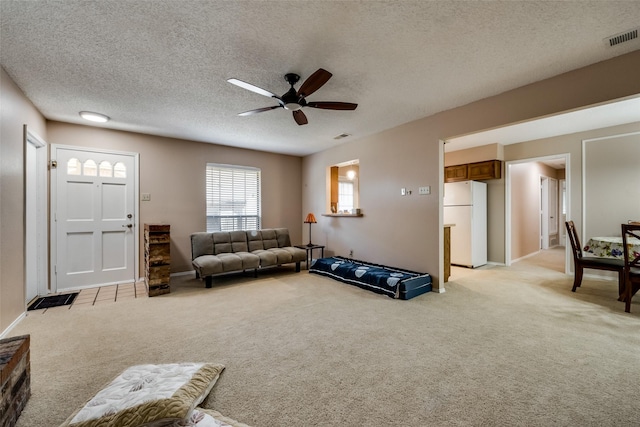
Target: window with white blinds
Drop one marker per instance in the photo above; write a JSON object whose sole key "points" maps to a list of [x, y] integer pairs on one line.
{"points": [[233, 198]]}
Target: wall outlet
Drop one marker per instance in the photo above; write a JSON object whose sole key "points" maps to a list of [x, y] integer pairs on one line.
{"points": [[351, 253], [424, 190], [146, 197]]}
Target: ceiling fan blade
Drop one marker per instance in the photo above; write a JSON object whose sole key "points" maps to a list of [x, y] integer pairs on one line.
{"points": [[259, 110], [300, 118], [333, 105], [252, 88], [314, 82]]}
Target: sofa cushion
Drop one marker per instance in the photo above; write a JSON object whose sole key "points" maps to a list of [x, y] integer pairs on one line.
{"points": [[239, 241], [221, 242], [267, 258], [297, 254], [201, 244], [249, 260], [269, 238], [282, 235], [207, 265], [254, 238], [282, 255], [230, 262]]}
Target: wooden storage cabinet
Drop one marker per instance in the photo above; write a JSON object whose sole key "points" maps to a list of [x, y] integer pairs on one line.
{"points": [[157, 258], [456, 173], [491, 169]]}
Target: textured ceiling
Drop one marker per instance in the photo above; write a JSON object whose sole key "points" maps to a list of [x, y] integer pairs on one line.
{"points": [[160, 67]]}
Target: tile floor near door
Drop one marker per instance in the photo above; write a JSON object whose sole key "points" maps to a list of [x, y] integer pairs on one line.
{"points": [[103, 295]]}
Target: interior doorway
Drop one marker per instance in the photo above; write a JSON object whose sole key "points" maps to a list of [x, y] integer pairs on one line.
{"points": [[537, 205], [35, 216]]}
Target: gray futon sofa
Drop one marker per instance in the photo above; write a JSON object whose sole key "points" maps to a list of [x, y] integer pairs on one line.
{"points": [[223, 252]]}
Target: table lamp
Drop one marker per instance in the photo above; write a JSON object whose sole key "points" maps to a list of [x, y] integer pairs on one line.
{"points": [[311, 219]]}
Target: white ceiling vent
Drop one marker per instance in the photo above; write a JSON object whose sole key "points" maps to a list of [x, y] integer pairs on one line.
{"points": [[621, 37], [342, 135]]}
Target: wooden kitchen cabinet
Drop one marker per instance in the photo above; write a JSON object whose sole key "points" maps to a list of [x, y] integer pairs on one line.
{"points": [[491, 169], [456, 173]]}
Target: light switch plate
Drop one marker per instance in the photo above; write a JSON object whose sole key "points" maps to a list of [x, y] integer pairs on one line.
{"points": [[403, 191], [146, 197]]}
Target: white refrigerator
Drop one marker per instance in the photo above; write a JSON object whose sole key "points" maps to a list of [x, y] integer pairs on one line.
{"points": [[465, 207]]}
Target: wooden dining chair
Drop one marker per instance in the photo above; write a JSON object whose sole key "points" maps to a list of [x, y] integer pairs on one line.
{"points": [[595, 263], [631, 264]]}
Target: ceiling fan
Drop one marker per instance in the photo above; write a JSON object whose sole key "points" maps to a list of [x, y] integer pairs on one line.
{"points": [[295, 100]]}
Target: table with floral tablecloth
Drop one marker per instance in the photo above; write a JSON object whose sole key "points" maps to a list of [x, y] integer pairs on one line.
{"points": [[611, 247]]}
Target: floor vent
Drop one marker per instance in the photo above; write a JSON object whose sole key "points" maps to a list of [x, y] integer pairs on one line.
{"points": [[621, 38]]}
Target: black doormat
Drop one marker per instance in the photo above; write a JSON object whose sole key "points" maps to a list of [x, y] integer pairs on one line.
{"points": [[53, 301]]}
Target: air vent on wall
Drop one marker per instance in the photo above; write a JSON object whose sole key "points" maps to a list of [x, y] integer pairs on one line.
{"points": [[621, 37]]}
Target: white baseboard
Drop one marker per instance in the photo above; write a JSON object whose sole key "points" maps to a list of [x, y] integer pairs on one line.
{"points": [[183, 273], [13, 325], [499, 264], [525, 257]]}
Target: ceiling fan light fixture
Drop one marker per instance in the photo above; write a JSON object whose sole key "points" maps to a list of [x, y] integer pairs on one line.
{"points": [[294, 100], [94, 117], [292, 106]]}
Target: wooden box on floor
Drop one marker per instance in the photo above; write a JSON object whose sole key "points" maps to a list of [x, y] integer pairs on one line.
{"points": [[15, 378], [157, 258]]}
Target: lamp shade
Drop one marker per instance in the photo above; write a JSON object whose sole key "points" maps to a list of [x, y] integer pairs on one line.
{"points": [[311, 219]]}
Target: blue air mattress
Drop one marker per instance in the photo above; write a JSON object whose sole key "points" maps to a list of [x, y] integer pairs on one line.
{"points": [[392, 282]]}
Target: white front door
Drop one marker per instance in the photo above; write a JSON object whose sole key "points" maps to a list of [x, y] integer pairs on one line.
{"points": [[94, 217]]}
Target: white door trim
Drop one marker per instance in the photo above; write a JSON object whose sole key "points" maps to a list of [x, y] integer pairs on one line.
{"points": [[544, 212], [36, 242], [53, 207], [507, 214]]}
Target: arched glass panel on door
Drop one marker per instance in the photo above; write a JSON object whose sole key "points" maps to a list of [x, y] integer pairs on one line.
{"points": [[90, 168], [73, 167], [119, 170], [105, 169]]}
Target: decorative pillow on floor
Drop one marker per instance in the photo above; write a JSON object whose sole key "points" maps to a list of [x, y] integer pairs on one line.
{"points": [[148, 393], [201, 418], [219, 418]]}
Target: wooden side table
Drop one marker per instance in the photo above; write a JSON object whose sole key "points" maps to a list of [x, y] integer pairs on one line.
{"points": [[309, 250]]}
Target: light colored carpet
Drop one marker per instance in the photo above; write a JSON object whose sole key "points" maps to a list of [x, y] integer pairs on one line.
{"points": [[503, 346]]}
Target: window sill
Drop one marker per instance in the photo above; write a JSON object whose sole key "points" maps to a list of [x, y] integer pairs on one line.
{"points": [[342, 215]]}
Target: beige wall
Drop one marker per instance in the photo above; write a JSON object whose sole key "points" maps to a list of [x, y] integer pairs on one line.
{"points": [[407, 231], [173, 172], [15, 111], [476, 154]]}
